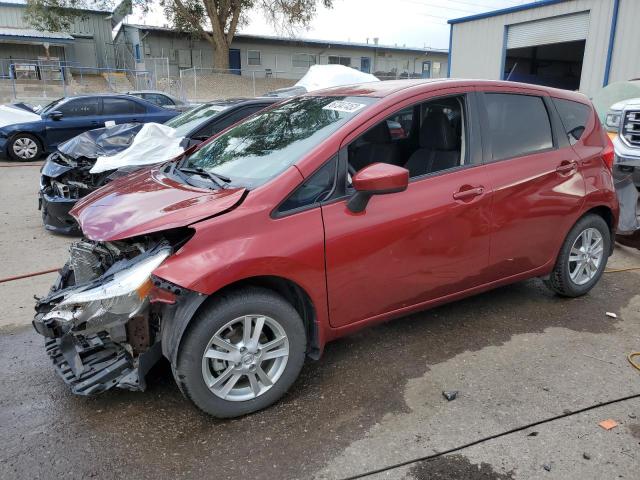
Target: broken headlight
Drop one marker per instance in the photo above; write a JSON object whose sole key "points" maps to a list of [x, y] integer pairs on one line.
{"points": [[124, 293]]}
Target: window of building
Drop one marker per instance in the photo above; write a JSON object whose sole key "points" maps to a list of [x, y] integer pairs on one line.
{"points": [[303, 60], [574, 116], [253, 57], [435, 69], [518, 125], [336, 60]]}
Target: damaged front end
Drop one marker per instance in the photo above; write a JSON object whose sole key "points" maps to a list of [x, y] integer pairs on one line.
{"points": [[100, 320], [66, 175], [63, 182]]}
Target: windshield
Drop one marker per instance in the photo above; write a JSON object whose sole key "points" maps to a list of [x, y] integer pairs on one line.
{"points": [[264, 145], [191, 119]]}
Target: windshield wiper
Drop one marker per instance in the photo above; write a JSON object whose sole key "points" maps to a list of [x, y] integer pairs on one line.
{"points": [[216, 178]]}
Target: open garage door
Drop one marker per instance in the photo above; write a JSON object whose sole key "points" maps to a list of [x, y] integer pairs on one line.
{"points": [[548, 51]]}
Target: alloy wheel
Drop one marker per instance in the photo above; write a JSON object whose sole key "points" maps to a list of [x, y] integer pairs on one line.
{"points": [[25, 148], [586, 256], [245, 358]]}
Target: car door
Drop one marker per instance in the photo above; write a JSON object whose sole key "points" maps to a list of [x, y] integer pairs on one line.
{"points": [[411, 248], [78, 115], [536, 181]]}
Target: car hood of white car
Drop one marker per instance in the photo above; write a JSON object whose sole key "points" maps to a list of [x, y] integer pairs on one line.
{"points": [[10, 115]]}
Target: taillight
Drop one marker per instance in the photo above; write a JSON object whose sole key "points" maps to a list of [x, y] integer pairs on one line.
{"points": [[608, 155]]}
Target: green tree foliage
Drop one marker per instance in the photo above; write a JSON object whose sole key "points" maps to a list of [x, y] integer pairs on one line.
{"points": [[216, 21]]}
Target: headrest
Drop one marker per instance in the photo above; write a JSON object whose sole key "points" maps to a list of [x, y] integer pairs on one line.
{"points": [[378, 134], [437, 132]]}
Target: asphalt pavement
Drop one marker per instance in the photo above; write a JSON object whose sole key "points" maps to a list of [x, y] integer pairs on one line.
{"points": [[535, 374]]}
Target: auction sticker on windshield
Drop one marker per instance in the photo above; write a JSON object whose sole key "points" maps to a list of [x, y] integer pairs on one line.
{"points": [[341, 106]]}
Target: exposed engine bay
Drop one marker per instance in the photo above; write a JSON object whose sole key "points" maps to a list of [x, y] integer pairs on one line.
{"points": [[102, 318], [75, 183]]}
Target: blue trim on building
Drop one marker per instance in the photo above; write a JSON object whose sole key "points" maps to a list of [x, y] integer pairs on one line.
{"points": [[503, 11], [503, 61], [450, 56], [612, 39]]}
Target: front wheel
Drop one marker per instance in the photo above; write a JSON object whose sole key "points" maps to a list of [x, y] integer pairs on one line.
{"points": [[583, 257], [241, 354], [24, 147]]}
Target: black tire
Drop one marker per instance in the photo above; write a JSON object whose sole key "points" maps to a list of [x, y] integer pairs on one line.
{"points": [[559, 280], [188, 369], [12, 148]]}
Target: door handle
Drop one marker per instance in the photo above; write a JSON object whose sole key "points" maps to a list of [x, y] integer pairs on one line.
{"points": [[567, 167], [468, 193]]}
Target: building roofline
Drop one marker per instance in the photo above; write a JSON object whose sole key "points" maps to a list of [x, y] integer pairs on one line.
{"points": [[312, 41], [91, 10], [504, 11]]}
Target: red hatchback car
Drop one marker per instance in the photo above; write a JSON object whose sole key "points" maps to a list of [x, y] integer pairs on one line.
{"points": [[309, 220]]}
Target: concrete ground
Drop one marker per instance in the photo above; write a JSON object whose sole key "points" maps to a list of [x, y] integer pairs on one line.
{"points": [[517, 355]]}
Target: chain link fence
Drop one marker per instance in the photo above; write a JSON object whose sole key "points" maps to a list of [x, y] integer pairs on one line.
{"points": [[42, 81], [202, 84]]}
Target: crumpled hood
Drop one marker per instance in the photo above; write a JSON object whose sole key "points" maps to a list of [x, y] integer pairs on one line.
{"points": [[10, 115], [148, 201], [100, 141]]}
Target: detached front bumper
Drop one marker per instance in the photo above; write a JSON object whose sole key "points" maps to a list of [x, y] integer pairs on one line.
{"points": [[95, 364]]}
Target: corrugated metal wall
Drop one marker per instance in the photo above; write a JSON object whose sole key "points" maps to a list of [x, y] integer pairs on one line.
{"points": [[477, 46], [625, 63], [95, 27]]}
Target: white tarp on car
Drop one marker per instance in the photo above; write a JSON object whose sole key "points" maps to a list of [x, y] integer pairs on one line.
{"points": [[154, 143], [325, 76], [10, 115]]}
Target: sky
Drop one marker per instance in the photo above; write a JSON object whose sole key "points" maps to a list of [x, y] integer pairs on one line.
{"points": [[411, 23]]}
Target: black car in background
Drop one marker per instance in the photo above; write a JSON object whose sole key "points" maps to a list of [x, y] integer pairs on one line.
{"points": [[66, 178]]}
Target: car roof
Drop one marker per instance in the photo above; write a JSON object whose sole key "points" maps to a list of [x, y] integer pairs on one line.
{"points": [[388, 88]]}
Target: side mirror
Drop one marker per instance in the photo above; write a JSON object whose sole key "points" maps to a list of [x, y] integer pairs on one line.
{"points": [[55, 115], [376, 179]]}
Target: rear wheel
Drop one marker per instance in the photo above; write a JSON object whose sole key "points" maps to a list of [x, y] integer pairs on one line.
{"points": [[242, 353], [583, 257], [24, 147]]}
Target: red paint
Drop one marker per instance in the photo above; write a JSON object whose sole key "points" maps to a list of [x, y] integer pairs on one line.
{"points": [[147, 201], [381, 177], [445, 237]]}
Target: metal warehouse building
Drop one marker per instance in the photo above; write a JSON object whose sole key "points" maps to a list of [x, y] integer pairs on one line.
{"points": [[88, 42], [573, 44], [138, 45]]}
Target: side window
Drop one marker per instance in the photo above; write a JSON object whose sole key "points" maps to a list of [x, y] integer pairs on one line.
{"points": [[234, 117], [120, 106], [314, 190], [435, 133], [81, 107], [518, 125], [400, 124], [574, 116], [158, 99]]}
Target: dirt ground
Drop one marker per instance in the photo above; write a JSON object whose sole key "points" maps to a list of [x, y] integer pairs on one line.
{"points": [[535, 375]]}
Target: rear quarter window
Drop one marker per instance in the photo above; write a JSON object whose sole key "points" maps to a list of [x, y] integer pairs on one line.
{"points": [[518, 125], [574, 116]]}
